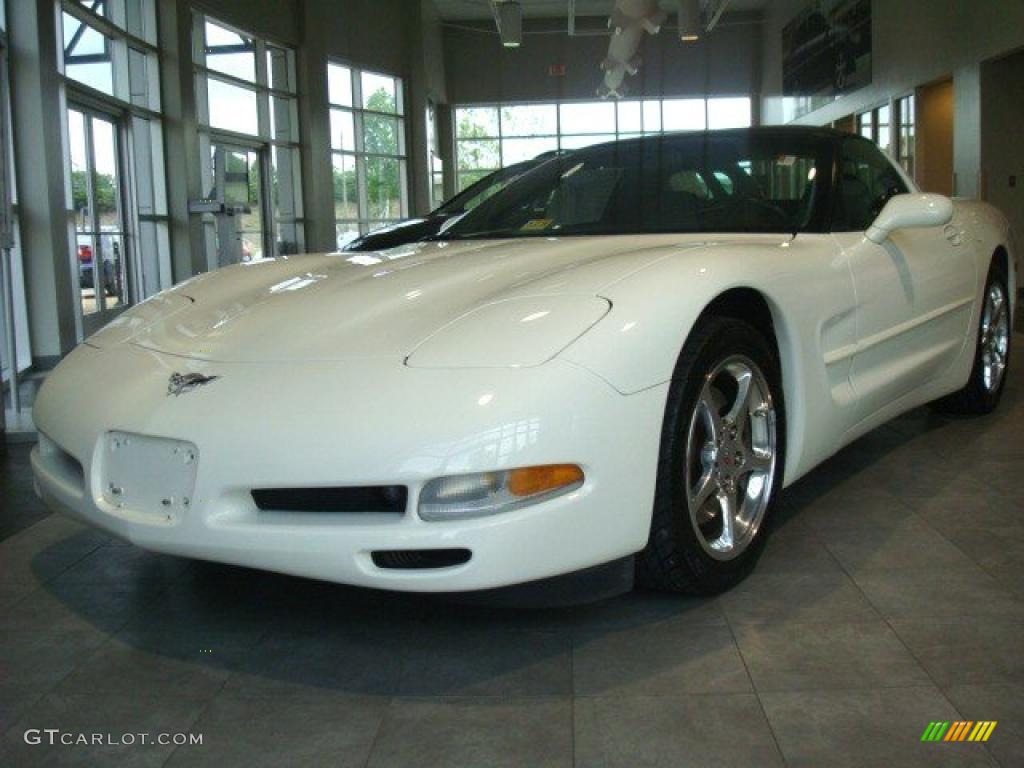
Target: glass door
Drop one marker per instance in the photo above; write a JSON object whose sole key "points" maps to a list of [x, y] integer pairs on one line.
{"points": [[101, 257], [240, 188]]}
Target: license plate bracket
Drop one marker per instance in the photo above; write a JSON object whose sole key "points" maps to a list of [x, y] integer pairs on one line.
{"points": [[149, 477]]}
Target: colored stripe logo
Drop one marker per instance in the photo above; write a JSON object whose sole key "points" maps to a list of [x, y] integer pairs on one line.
{"points": [[960, 730]]}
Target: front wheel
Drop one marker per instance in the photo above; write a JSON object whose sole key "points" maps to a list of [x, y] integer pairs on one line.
{"points": [[721, 461]]}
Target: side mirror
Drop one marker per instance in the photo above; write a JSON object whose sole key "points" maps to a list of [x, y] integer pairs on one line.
{"points": [[903, 211]]}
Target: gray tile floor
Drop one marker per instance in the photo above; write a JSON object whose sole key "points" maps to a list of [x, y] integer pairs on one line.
{"points": [[890, 595]]}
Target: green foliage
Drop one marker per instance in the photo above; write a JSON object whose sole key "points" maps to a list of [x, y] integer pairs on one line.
{"points": [[106, 195], [383, 176], [241, 184], [467, 129], [383, 182], [474, 154]]}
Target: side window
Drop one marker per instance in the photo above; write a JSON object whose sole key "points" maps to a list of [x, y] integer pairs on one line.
{"points": [[866, 182]]}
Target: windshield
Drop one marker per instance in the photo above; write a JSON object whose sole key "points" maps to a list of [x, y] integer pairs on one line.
{"points": [[476, 193], [701, 182]]}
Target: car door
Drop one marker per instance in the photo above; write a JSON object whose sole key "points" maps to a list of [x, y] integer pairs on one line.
{"points": [[914, 291]]}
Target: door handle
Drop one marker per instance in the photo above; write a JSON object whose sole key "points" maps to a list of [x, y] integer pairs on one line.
{"points": [[955, 235]]}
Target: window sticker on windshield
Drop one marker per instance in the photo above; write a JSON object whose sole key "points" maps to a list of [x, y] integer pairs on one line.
{"points": [[786, 160], [535, 224]]}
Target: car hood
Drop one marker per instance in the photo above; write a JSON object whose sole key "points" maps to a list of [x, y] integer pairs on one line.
{"points": [[336, 306]]}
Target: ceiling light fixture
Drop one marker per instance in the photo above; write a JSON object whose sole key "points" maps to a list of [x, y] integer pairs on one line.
{"points": [[508, 15], [689, 20]]}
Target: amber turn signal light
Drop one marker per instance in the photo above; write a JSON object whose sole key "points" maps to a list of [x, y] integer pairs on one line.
{"points": [[530, 481]]}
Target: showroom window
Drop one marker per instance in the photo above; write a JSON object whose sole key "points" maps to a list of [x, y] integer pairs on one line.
{"points": [[368, 150], [876, 124], [907, 133], [489, 137], [247, 107], [114, 170]]}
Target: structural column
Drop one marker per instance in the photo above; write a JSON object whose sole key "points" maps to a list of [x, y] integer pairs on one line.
{"points": [[39, 157]]}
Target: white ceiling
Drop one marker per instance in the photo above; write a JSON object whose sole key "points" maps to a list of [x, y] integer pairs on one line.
{"points": [[553, 9]]}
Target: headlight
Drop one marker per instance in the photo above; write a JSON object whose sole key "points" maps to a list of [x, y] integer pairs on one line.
{"points": [[512, 333], [460, 497]]}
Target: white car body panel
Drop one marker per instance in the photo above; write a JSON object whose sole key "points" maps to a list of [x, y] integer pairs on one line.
{"points": [[459, 357], [369, 432]]}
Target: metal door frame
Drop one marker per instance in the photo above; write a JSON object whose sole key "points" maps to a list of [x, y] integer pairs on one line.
{"points": [[96, 320], [230, 141], [10, 348]]}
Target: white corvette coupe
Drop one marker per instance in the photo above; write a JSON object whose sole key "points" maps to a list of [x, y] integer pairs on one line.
{"points": [[622, 357]]}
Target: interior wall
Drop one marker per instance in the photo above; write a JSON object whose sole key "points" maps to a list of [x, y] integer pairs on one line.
{"points": [[934, 160], [1002, 151], [913, 42], [274, 19], [479, 69]]}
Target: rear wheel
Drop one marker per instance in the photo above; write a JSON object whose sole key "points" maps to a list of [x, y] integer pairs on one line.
{"points": [[992, 352], [720, 464]]}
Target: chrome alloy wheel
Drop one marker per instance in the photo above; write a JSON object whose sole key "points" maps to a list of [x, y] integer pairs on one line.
{"points": [[995, 336], [731, 449]]}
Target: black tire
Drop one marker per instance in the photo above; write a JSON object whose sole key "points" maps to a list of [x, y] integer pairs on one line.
{"points": [[975, 399], [674, 559]]}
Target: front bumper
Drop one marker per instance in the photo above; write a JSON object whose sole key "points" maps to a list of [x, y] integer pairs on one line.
{"points": [[370, 421]]}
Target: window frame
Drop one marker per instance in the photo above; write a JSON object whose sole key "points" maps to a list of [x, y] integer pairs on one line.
{"points": [[910, 167], [140, 153], [647, 107], [891, 126], [364, 222], [265, 141]]}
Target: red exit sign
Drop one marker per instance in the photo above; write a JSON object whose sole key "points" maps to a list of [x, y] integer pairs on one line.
{"points": [[556, 70]]}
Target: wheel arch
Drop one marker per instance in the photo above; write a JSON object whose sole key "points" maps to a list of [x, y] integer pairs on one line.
{"points": [[757, 308], [1001, 256]]}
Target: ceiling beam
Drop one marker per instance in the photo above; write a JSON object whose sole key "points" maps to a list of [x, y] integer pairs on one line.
{"points": [[717, 14]]}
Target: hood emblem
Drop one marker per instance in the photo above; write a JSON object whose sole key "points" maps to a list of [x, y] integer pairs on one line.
{"points": [[180, 383]]}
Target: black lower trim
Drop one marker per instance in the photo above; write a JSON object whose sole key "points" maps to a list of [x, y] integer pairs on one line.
{"points": [[370, 498], [420, 559]]}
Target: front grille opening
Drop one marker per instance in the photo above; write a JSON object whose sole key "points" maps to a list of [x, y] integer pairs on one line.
{"points": [[420, 559], [370, 498]]}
